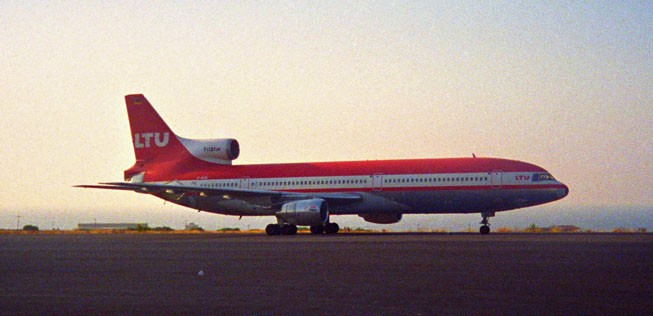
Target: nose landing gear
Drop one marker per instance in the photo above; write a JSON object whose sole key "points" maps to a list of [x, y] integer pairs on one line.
{"points": [[485, 229]]}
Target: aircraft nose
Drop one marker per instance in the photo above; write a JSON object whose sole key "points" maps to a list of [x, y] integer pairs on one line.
{"points": [[563, 191]]}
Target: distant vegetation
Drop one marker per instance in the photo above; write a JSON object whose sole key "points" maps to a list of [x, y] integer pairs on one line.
{"points": [[357, 230], [144, 228], [31, 228], [229, 229], [162, 229], [141, 228]]}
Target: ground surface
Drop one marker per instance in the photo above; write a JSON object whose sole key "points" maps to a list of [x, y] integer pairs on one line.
{"points": [[384, 274]]}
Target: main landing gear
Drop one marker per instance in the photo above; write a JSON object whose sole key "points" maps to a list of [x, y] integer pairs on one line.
{"points": [[485, 229], [290, 229], [328, 228], [277, 229]]}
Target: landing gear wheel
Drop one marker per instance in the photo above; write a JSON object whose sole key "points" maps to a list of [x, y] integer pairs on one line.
{"points": [[485, 229], [288, 229], [273, 229], [331, 228], [317, 229]]}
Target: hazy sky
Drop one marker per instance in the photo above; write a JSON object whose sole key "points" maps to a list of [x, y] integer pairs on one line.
{"points": [[567, 86]]}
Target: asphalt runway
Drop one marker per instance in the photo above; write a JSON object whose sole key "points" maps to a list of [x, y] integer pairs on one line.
{"points": [[368, 274]]}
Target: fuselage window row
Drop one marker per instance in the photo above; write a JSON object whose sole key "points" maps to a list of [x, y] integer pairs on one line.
{"points": [[357, 182]]}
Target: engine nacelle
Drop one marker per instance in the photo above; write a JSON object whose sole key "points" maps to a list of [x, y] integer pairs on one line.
{"points": [[222, 150], [304, 212], [382, 218]]}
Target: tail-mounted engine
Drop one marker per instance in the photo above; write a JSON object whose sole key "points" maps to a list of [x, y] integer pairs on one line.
{"points": [[221, 151], [304, 212]]}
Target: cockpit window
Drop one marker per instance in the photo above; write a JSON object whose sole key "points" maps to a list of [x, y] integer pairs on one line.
{"points": [[543, 177]]}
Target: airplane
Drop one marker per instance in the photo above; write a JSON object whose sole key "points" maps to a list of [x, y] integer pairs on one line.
{"points": [[199, 174]]}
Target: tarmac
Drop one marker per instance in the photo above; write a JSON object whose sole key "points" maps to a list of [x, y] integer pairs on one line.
{"points": [[345, 274]]}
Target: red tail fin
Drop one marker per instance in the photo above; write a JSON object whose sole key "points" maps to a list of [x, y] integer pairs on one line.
{"points": [[152, 139]]}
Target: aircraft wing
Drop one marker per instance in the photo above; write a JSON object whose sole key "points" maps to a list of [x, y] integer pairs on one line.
{"points": [[232, 193]]}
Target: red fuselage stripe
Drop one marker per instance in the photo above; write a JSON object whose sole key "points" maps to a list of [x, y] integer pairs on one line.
{"points": [[195, 170]]}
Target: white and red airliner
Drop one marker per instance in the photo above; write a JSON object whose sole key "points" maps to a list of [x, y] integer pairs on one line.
{"points": [[199, 174]]}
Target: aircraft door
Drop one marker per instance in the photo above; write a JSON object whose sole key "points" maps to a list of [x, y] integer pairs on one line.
{"points": [[377, 182], [244, 183], [495, 179]]}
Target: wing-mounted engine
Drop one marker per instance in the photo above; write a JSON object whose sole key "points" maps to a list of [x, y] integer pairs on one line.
{"points": [[221, 151], [304, 212], [386, 218]]}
